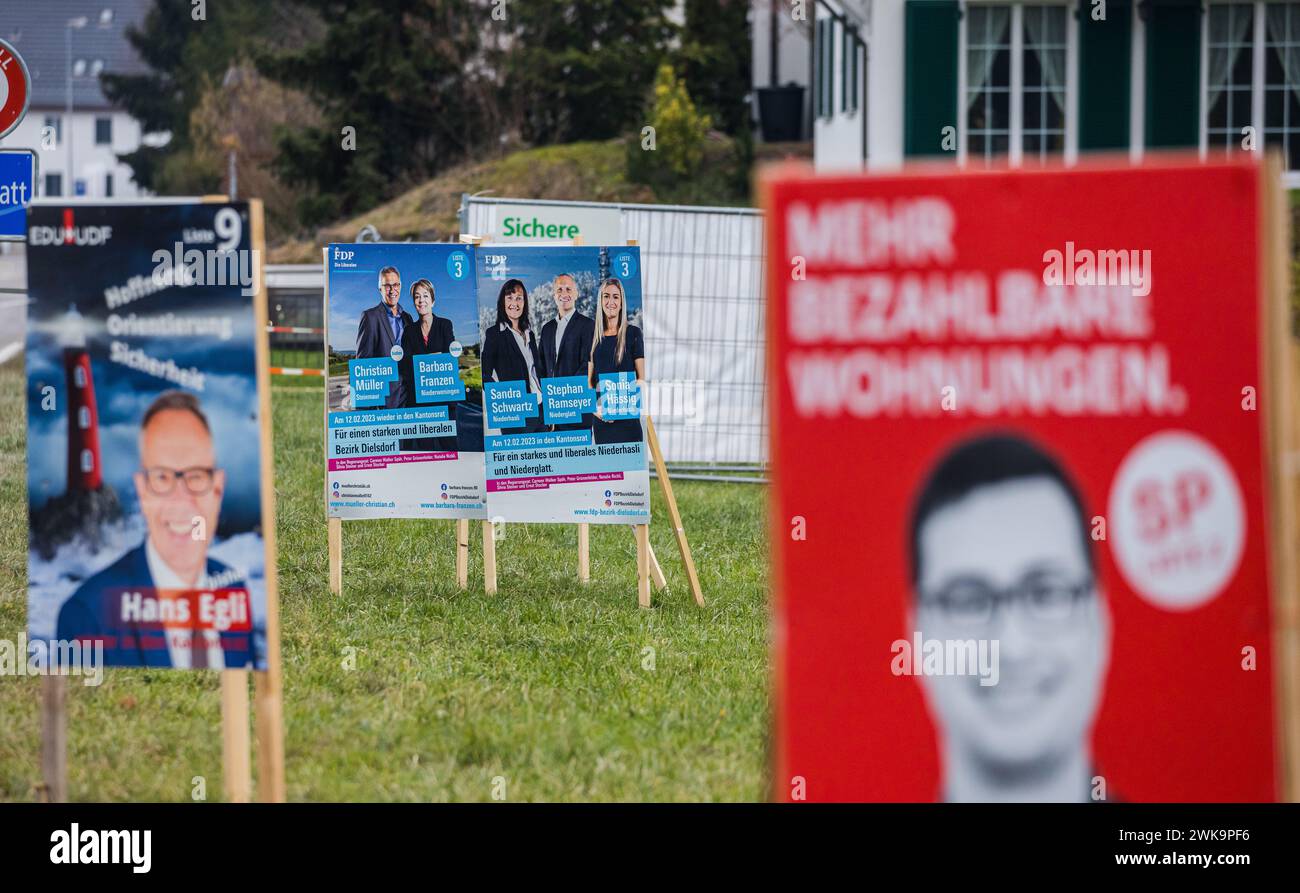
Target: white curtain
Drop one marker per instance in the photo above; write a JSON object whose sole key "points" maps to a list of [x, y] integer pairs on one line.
{"points": [[1047, 25], [1275, 21], [988, 25], [1231, 27]]}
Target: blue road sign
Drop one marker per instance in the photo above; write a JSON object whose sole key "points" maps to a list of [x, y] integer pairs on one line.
{"points": [[17, 189]]}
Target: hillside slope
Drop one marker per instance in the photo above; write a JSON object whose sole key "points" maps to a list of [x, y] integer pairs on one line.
{"points": [[591, 171]]}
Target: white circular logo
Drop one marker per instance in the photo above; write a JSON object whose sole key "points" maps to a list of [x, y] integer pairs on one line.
{"points": [[454, 348], [1177, 520], [396, 353]]}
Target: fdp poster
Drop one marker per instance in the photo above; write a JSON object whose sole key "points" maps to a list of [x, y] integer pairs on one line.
{"points": [[563, 370], [404, 422], [1021, 507], [143, 436]]}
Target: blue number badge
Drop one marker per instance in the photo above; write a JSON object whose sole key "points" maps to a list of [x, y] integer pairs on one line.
{"points": [[624, 266], [457, 265]]}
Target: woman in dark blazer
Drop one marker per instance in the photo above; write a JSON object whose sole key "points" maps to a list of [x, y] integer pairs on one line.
{"points": [[616, 347], [428, 334], [510, 350]]}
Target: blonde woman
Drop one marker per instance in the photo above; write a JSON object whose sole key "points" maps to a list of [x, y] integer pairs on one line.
{"points": [[617, 347]]}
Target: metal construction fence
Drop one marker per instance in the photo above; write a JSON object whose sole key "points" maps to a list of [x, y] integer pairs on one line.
{"points": [[702, 277]]}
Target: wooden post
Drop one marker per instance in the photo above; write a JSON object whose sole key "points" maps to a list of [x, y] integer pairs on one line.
{"points": [[584, 553], [335, 533], [462, 553], [54, 737], [334, 526], [267, 685], [656, 572], [489, 559], [1283, 389], [643, 565], [662, 471], [236, 765]]}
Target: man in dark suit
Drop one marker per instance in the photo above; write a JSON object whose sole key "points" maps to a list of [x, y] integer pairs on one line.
{"points": [[566, 340], [145, 606], [382, 326]]}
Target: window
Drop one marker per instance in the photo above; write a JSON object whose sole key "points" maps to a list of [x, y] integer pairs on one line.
{"points": [[103, 131], [53, 185], [825, 56], [852, 67], [56, 122], [1282, 80], [108, 185], [1251, 76], [1228, 95], [1015, 83], [1044, 81]]}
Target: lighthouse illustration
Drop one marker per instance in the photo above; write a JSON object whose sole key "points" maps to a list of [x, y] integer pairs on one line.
{"points": [[88, 505], [84, 470]]}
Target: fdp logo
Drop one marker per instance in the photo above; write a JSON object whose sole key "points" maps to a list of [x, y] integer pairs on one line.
{"points": [[15, 88]]}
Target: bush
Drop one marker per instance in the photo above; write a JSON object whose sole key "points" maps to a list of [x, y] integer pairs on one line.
{"points": [[674, 150]]}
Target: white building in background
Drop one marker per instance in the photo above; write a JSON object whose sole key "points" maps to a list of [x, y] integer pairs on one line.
{"points": [[95, 133], [820, 52], [988, 82]]}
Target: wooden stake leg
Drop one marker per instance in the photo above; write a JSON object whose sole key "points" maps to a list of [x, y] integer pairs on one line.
{"points": [[584, 553], [489, 559], [270, 735], [678, 530], [462, 553], [643, 565], [236, 754], [54, 738], [656, 572], [336, 555]]}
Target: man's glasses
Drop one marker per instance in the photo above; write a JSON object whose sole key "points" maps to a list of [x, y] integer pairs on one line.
{"points": [[162, 481], [1047, 602], [394, 286]]}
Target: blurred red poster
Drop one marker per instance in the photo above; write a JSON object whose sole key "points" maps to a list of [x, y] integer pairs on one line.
{"points": [[1021, 504]]}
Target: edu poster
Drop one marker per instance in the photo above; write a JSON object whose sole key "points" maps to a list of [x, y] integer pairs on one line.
{"points": [[143, 439]]}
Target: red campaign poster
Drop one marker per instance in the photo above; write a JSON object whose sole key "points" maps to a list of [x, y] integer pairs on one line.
{"points": [[1020, 504]]}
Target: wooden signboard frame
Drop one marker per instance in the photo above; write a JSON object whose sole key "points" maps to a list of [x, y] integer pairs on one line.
{"points": [[1281, 390], [334, 526], [267, 684], [649, 570]]}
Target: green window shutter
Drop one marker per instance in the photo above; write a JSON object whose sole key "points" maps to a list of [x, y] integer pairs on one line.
{"points": [[1104, 80], [1173, 74], [930, 69]]}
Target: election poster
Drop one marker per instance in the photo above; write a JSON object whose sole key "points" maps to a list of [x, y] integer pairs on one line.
{"points": [[404, 418], [563, 373], [147, 541], [1023, 523]]}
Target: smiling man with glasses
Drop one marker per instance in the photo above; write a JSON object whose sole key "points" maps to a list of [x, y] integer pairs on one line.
{"points": [[1001, 550], [147, 604], [381, 328]]}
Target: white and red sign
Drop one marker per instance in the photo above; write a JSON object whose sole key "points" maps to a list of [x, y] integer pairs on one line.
{"points": [[15, 88], [1021, 503]]}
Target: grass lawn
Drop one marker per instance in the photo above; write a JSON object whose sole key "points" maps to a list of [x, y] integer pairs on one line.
{"points": [[566, 692]]}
